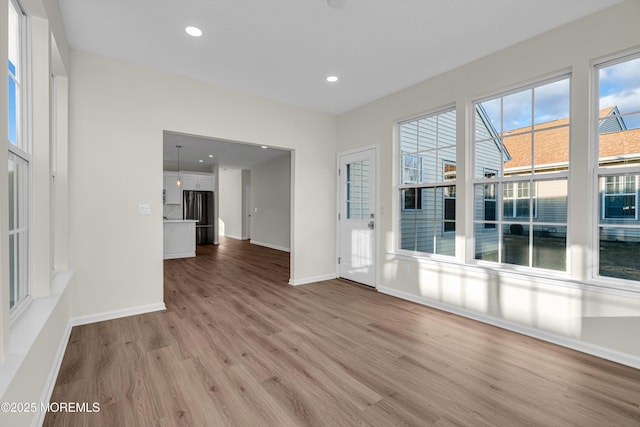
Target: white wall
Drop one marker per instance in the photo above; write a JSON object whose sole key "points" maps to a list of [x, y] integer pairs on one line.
{"points": [[119, 112], [231, 202], [270, 202], [567, 309]]}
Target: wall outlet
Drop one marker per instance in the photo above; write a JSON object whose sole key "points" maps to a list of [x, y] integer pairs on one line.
{"points": [[144, 209]]}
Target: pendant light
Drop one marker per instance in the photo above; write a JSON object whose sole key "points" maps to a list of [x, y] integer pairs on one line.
{"points": [[178, 182]]}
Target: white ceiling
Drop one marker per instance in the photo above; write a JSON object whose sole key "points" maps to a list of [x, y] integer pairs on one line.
{"points": [[284, 49]]}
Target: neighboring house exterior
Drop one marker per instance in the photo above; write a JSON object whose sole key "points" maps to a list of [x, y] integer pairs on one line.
{"points": [[426, 209], [618, 145], [619, 194]]}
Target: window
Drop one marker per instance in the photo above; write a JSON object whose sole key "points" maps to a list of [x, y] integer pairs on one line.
{"points": [[411, 174], [619, 197], [489, 201], [427, 185], [53, 148], [449, 193], [449, 216], [18, 167], [518, 199], [358, 175], [411, 168], [618, 144], [412, 198], [449, 172], [521, 163]]}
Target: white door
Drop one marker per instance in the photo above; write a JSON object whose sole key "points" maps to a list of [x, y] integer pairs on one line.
{"points": [[356, 218]]}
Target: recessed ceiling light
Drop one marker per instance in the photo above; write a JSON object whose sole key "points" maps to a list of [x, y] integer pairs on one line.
{"points": [[264, 147], [193, 31], [332, 79], [210, 155], [201, 161]]}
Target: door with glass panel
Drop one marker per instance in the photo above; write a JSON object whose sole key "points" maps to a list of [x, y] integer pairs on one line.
{"points": [[357, 218]]}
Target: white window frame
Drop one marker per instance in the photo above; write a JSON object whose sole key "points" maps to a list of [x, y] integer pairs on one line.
{"points": [[22, 152], [421, 185], [620, 224], [500, 180], [605, 170], [53, 157]]}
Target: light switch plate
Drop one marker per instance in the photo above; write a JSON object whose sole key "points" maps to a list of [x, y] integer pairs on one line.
{"points": [[144, 209]]}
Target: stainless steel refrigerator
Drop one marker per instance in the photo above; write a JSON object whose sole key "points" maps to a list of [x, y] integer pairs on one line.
{"points": [[198, 205]]}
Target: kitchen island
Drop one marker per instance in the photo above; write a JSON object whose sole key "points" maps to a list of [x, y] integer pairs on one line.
{"points": [[179, 239]]}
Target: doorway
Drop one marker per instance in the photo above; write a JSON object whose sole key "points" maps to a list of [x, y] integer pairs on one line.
{"points": [[247, 210]]}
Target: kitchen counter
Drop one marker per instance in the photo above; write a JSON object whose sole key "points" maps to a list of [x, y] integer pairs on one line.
{"points": [[179, 238]]}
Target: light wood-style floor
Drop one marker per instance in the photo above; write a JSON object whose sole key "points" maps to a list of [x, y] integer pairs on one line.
{"points": [[238, 346]]}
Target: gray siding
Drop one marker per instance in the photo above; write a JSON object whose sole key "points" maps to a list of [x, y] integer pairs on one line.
{"points": [[488, 155], [612, 123]]}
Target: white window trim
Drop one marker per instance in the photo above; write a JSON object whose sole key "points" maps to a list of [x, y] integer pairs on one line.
{"points": [[602, 169], [421, 185], [501, 180], [22, 150], [53, 157]]}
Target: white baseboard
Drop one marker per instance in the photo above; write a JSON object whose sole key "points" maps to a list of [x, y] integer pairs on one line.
{"points": [[268, 245], [179, 255], [313, 279], [233, 236], [116, 314], [574, 344]]}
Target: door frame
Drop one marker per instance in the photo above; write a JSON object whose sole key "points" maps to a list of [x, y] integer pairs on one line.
{"points": [[376, 178]]}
